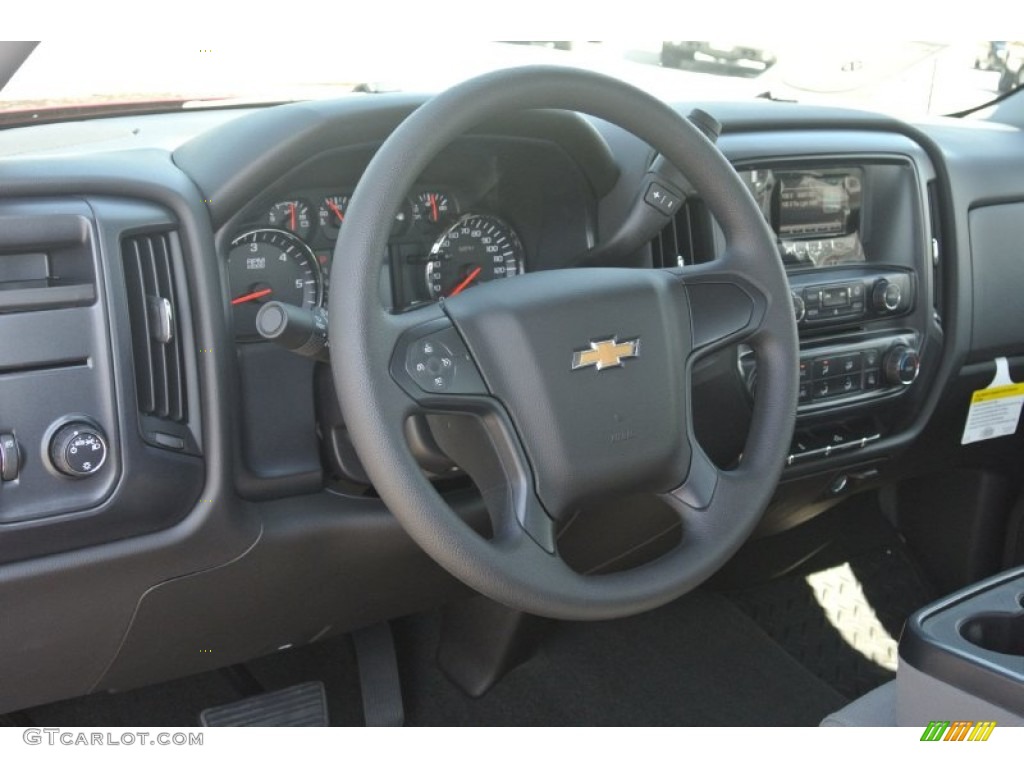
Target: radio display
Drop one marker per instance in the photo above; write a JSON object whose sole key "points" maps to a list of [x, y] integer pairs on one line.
{"points": [[817, 203], [815, 212]]}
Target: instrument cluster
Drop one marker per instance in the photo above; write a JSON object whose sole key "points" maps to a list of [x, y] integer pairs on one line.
{"points": [[436, 250]]}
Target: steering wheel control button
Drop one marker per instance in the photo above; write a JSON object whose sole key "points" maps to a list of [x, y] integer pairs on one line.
{"points": [[10, 458], [78, 449], [431, 365], [439, 363], [662, 199]]}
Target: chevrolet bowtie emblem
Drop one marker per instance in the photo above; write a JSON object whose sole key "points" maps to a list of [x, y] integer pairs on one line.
{"points": [[608, 353]]}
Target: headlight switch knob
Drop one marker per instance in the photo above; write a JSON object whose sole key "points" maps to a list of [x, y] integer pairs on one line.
{"points": [[78, 449]]}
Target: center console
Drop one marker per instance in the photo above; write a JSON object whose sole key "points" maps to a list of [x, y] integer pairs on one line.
{"points": [[962, 658], [854, 241], [961, 667]]}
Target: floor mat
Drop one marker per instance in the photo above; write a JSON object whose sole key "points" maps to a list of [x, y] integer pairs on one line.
{"points": [[840, 610], [795, 626], [697, 661]]}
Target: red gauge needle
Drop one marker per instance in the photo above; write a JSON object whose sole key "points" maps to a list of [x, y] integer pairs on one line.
{"points": [[433, 206], [292, 205], [252, 296], [337, 211], [465, 283]]}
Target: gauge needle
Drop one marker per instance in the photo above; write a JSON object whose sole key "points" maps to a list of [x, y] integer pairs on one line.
{"points": [[465, 283], [337, 211], [433, 205], [252, 296], [293, 216]]}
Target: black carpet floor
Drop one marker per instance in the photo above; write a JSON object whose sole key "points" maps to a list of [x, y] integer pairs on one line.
{"points": [[834, 593], [777, 639], [698, 661]]}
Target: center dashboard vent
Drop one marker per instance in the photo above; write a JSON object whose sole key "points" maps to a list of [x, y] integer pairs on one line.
{"points": [[156, 327]]}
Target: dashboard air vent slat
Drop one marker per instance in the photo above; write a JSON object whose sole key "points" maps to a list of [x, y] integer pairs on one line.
{"points": [[156, 332], [686, 239]]}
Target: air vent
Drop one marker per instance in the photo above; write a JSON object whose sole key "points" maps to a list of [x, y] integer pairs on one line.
{"points": [[936, 251], [156, 327], [686, 239]]}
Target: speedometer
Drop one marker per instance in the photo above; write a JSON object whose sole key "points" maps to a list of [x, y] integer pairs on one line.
{"points": [[475, 249], [270, 265]]}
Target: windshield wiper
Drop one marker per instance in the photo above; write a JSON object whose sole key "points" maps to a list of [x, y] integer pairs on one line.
{"points": [[991, 103], [772, 97]]}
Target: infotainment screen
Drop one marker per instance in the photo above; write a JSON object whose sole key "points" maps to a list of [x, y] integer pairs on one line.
{"points": [[817, 203], [815, 212]]}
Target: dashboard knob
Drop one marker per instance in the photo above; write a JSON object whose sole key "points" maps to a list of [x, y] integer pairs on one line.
{"points": [[886, 296], [10, 458], [799, 309], [78, 449], [901, 365]]}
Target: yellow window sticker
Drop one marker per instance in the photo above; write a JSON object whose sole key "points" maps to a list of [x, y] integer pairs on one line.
{"points": [[995, 410]]}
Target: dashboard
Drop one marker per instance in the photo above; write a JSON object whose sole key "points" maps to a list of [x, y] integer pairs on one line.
{"points": [[225, 498]]}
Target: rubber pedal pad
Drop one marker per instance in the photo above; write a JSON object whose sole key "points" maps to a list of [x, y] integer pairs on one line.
{"points": [[300, 706]]}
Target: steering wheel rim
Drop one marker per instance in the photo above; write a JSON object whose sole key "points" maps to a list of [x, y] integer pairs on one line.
{"points": [[743, 295]]}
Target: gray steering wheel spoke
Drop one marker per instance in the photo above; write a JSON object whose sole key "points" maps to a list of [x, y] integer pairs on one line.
{"points": [[725, 305], [478, 436], [434, 367], [697, 492]]}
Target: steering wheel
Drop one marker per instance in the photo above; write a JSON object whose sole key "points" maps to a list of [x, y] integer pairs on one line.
{"points": [[577, 380]]}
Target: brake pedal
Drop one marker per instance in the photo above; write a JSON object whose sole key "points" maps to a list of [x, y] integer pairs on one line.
{"points": [[302, 705]]}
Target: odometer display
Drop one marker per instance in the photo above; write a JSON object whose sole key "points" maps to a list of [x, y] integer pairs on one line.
{"points": [[270, 265], [475, 249]]}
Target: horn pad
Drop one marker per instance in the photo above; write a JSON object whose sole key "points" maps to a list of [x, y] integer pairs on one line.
{"points": [[589, 364]]}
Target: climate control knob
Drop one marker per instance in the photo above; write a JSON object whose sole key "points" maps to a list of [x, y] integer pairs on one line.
{"points": [[901, 365], [78, 449]]}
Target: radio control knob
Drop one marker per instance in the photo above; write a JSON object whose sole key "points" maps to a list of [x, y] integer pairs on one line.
{"points": [[901, 365], [886, 296], [799, 309]]}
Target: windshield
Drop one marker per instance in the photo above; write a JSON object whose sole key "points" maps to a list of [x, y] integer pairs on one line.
{"points": [[901, 78]]}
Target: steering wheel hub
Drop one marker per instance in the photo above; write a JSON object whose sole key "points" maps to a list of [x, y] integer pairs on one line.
{"points": [[593, 429]]}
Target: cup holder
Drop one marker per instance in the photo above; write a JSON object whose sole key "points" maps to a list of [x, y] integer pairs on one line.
{"points": [[998, 632]]}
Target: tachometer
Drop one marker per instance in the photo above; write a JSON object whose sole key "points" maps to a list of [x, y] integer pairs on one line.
{"points": [[475, 249], [270, 265]]}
